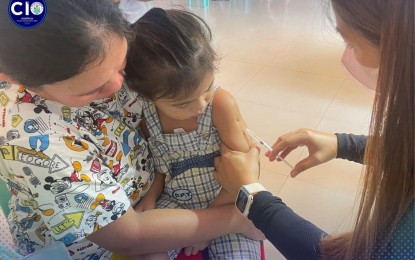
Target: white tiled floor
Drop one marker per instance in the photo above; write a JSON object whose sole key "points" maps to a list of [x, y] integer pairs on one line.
{"points": [[281, 60]]}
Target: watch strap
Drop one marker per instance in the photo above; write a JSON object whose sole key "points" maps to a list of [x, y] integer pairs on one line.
{"points": [[249, 190], [254, 188]]}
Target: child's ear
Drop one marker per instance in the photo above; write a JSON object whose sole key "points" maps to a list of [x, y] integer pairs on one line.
{"points": [[4, 77]]}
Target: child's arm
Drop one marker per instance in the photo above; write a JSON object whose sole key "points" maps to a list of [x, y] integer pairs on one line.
{"points": [[229, 122], [149, 200], [231, 129]]}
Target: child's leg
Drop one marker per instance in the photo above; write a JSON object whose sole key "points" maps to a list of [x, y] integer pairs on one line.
{"points": [[235, 246], [155, 256]]}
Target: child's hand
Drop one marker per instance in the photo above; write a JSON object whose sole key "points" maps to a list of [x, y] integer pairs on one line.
{"points": [[193, 250], [223, 198], [147, 203], [150, 198]]}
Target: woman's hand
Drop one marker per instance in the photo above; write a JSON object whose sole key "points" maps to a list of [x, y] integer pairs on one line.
{"points": [[234, 169], [322, 147]]}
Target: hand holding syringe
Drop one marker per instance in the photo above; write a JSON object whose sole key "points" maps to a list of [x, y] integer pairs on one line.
{"points": [[259, 140]]}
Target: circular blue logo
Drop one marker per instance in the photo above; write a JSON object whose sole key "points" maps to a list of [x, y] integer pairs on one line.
{"points": [[27, 13]]}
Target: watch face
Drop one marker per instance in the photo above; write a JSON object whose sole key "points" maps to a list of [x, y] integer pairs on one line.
{"points": [[241, 201]]}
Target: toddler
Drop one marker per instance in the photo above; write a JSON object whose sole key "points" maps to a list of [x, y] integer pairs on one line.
{"points": [[171, 65]]}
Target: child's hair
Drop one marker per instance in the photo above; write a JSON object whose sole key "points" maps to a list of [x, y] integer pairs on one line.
{"points": [[170, 54]]}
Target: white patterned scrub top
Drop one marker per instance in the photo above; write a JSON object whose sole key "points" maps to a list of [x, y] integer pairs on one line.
{"points": [[71, 171]]}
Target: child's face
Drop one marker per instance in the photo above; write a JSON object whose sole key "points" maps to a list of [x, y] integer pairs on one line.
{"points": [[189, 107]]}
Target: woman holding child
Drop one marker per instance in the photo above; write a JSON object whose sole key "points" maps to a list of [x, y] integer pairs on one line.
{"points": [[72, 155]]}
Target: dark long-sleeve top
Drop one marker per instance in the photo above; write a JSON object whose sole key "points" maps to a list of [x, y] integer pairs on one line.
{"points": [[351, 147], [292, 235], [297, 238]]}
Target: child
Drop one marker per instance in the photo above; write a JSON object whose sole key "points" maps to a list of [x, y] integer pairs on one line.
{"points": [[171, 65]]}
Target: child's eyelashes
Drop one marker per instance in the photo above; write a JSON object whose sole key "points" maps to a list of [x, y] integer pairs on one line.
{"points": [[182, 105], [210, 87]]}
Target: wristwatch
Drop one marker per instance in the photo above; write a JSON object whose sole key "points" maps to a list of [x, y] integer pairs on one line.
{"points": [[246, 197]]}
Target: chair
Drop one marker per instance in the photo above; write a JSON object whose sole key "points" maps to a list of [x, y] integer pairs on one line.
{"points": [[201, 255], [204, 255]]}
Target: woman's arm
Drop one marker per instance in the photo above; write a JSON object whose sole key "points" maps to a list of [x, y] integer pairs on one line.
{"points": [[137, 233], [293, 236], [351, 147]]}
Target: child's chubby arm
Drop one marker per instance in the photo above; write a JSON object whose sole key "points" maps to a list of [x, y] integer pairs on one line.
{"points": [[231, 130], [229, 122], [149, 200]]}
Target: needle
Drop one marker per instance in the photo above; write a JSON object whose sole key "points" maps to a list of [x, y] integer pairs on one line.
{"points": [[267, 146]]}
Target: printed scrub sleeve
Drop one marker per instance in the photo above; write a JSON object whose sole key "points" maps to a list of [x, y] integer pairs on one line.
{"points": [[71, 171]]}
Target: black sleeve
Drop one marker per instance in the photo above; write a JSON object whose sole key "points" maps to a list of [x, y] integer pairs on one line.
{"points": [[293, 236], [351, 147]]}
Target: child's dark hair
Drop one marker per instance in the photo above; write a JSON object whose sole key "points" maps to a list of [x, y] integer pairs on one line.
{"points": [[72, 36], [170, 54]]}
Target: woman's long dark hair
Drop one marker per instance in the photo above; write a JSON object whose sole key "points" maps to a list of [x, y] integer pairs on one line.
{"points": [[388, 184]]}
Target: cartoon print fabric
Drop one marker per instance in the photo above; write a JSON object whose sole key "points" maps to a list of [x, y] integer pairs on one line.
{"points": [[70, 170]]}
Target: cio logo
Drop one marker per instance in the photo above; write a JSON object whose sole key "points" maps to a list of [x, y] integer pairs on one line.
{"points": [[27, 14]]}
